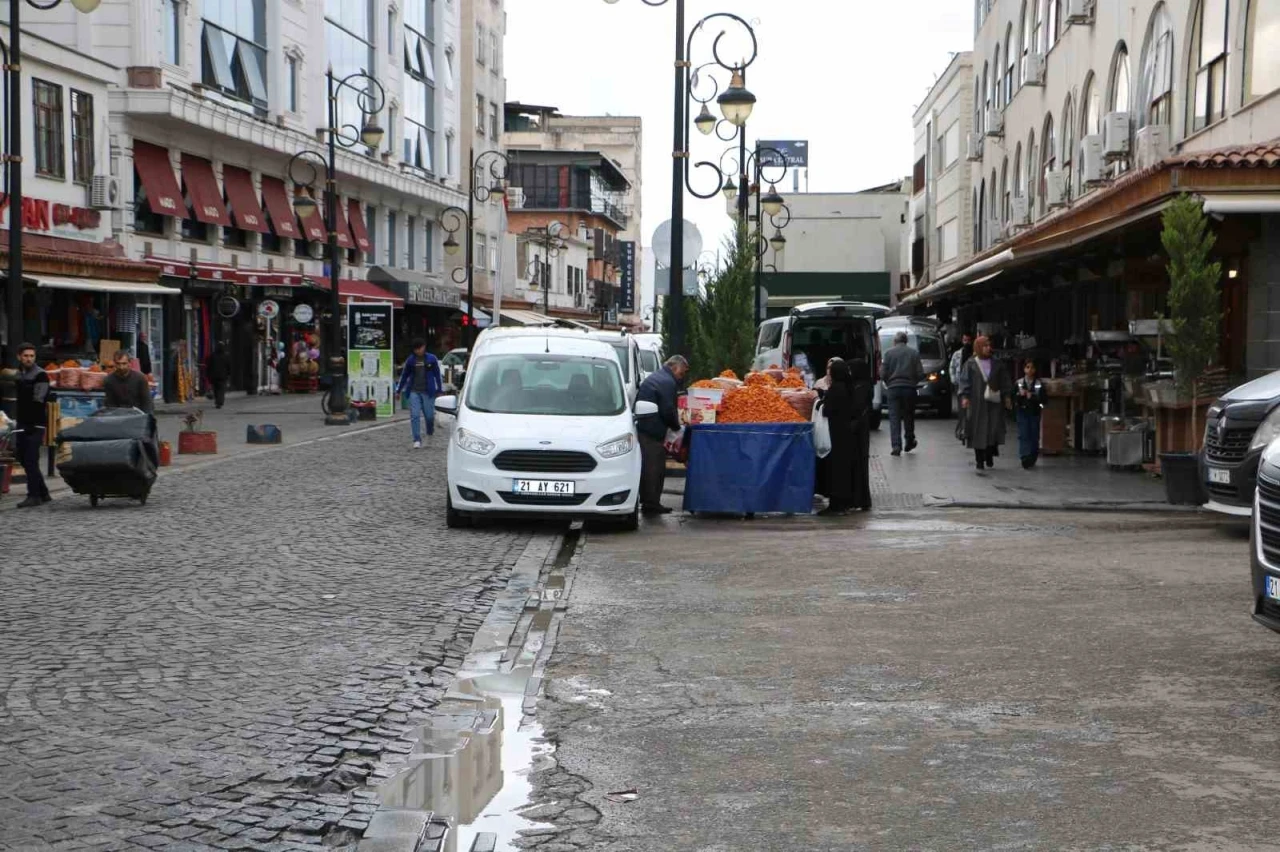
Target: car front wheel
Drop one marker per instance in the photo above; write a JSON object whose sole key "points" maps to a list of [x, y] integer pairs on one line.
{"points": [[453, 519]]}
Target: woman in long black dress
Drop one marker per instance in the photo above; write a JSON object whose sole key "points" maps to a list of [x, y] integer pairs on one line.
{"points": [[863, 396], [839, 407]]}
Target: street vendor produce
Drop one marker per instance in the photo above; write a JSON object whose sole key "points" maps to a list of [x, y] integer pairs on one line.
{"points": [[756, 403]]}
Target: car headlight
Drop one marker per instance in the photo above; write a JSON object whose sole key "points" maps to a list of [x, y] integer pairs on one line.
{"points": [[619, 446], [1268, 431], [933, 377], [473, 443]]}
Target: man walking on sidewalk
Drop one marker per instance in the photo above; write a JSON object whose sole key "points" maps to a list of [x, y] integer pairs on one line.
{"points": [[659, 388], [33, 393], [902, 372], [420, 384]]}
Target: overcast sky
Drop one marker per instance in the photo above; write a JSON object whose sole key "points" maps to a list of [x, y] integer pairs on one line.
{"points": [[844, 74]]}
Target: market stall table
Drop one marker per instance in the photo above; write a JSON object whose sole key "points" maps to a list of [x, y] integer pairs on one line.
{"points": [[750, 468]]}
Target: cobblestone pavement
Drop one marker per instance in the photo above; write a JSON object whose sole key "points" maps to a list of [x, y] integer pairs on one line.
{"points": [[227, 666]]}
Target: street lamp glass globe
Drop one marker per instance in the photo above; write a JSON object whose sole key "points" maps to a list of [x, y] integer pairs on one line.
{"points": [[772, 202], [730, 189], [705, 122], [303, 202], [451, 246], [778, 241], [372, 135], [86, 6], [736, 102]]}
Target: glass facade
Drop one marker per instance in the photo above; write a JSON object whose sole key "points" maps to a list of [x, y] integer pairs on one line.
{"points": [[419, 137], [234, 49], [349, 40]]}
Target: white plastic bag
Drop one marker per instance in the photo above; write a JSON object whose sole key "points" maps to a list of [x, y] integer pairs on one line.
{"points": [[821, 432]]}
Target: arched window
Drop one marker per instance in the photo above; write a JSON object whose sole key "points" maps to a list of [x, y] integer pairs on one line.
{"points": [[998, 70], [1155, 86], [1019, 185], [1032, 171], [1090, 120], [977, 223], [986, 89], [1118, 94], [1052, 23], [982, 214], [1011, 64], [1208, 72], [1025, 25], [1068, 148], [978, 118], [1037, 28], [1048, 157], [1004, 190], [1262, 48]]}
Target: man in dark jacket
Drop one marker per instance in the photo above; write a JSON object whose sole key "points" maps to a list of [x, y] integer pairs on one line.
{"points": [[126, 387], [659, 388], [420, 384], [902, 372], [33, 393], [218, 372]]}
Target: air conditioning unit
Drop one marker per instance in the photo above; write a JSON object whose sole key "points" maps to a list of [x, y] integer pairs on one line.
{"points": [[974, 154], [1151, 145], [1019, 210], [105, 192], [1093, 162], [1035, 69], [1056, 189], [995, 122], [1115, 135], [1080, 11], [515, 197], [995, 231]]}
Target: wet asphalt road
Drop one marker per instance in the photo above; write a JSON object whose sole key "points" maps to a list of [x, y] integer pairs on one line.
{"points": [[925, 680]]}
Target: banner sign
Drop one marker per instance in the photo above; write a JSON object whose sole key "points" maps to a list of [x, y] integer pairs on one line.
{"points": [[370, 367], [627, 302], [786, 153]]}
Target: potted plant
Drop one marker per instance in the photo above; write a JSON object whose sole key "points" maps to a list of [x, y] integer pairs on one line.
{"points": [[195, 441], [1194, 314]]}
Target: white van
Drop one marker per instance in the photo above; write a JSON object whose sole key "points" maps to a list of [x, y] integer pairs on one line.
{"points": [[816, 332], [628, 354], [651, 356], [544, 429]]}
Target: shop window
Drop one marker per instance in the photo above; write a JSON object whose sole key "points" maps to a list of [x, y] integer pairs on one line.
{"points": [[145, 220], [82, 148], [1208, 73], [1262, 48], [51, 158]]}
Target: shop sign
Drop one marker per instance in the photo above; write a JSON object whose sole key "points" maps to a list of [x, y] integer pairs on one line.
{"points": [[627, 298], [228, 307], [269, 309], [428, 294], [278, 292], [38, 214], [369, 355], [303, 314]]}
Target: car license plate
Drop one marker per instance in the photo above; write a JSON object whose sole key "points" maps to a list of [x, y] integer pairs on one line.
{"points": [[1273, 587], [1219, 476], [545, 487]]}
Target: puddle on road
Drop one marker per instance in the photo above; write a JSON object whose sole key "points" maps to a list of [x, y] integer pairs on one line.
{"points": [[472, 764]]}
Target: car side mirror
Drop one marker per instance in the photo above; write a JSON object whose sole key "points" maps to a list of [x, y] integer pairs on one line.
{"points": [[644, 408], [447, 405]]}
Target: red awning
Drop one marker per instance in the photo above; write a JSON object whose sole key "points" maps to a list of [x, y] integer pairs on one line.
{"points": [[344, 230], [202, 188], [244, 200], [352, 290], [313, 223], [158, 181], [283, 220], [355, 215]]}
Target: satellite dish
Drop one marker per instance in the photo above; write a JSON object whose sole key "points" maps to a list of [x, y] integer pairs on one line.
{"points": [[662, 243]]}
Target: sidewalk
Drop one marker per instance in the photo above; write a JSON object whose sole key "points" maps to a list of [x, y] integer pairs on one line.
{"points": [[940, 472], [297, 415]]}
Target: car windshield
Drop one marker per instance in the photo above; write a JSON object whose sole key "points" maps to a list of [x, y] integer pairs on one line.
{"points": [[564, 385], [453, 359], [930, 348], [622, 351], [648, 360]]}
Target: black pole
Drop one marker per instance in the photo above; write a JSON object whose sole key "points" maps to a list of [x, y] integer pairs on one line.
{"points": [[678, 158], [15, 180], [744, 180], [755, 320], [337, 357], [546, 274], [470, 335]]}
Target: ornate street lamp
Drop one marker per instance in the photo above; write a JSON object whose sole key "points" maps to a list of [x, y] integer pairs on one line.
{"points": [[495, 164], [304, 169]]}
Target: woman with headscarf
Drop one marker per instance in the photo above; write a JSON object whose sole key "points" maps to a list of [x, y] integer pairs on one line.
{"points": [[863, 398], [845, 404], [986, 390]]}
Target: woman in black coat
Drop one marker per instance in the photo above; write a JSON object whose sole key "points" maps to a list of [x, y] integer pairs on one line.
{"points": [[863, 397], [845, 405]]}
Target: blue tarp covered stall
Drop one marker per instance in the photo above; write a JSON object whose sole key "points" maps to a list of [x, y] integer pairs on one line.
{"points": [[750, 468]]}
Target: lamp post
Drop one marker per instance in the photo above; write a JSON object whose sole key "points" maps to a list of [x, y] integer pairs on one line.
{"points": [[752, 175], [552, 245], [735, 103], [304, 170], [453, 219], [13, 161]]}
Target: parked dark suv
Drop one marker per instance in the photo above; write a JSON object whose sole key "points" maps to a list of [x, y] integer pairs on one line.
{"points": [[1240, 426], [1264, 544]]}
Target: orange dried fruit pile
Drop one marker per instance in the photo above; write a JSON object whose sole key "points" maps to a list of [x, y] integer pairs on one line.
{"points": [[763, 379], [791, 382], [704, 383], [729, 374], [756, 404]]}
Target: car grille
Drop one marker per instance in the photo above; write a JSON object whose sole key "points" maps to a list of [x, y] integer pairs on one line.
{"points": [[1223, 492], [1268, 519], [1269, 608], [544, 461], [1227, 445], [543, 499]]}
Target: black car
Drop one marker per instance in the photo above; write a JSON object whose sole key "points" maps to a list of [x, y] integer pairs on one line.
{"points": [[1264, 545], [1238, 429]]}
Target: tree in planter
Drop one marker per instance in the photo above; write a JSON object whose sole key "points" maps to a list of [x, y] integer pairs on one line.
{"points": [[1194, 302]]}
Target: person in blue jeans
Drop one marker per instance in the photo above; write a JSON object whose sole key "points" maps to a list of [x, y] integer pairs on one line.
{"points": [[420, 384], [1029, 398], [902, 372]]}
